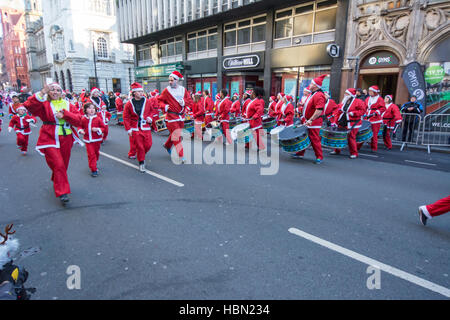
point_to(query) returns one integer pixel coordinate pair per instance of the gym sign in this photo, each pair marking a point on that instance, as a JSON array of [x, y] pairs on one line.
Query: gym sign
[[381, 59]]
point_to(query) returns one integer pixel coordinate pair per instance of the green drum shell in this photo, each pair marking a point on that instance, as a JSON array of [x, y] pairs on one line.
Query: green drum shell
[[337, 139]]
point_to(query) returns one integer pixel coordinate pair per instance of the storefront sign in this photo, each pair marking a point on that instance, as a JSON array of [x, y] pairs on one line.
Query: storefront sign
[[434, 74], [250, 61], [158, 70], [415, 81], [381, 59], [333, 50]]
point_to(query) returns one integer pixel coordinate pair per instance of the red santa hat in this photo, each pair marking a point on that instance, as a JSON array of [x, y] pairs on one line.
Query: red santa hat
[[176, 75], [248, 92], [236, 95], [217, 96], [136, 87], [198, 93], [374, 89], [117, 94], [389, 97], [289, 98], [55, 84], [308, 89], [319, 80], [83, 90], [21, 107], [351, 92], [273, 98], [94, 90], [23, 89], [282, 94]]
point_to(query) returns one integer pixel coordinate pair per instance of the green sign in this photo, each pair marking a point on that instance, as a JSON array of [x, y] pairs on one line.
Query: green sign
[[161, 70], [434, 74]]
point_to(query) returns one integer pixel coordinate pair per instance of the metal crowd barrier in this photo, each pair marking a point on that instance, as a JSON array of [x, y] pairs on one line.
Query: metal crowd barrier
[[436, 130], [408, 131]]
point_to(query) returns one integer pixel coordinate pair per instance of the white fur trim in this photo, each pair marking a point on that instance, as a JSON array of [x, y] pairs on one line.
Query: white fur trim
[[426, 212], [8, 250]]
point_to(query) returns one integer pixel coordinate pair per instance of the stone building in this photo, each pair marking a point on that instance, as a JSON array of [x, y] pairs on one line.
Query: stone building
[[384, 36]]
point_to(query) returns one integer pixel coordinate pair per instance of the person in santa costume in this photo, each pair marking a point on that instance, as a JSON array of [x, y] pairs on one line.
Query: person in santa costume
[[119, 109], [375, 108], [312, 117], [301, 102], [92, 128], [348, 116], [106, 117], [198, 113], [330, 107], [155, 105], [278, 107], [391, 119], [216, 103], [286, 112], [433, 210], [20, 123], [208, 105], [235, 105], [223, 114], [15, 103], [253, 113], [173, 100], [272, 106], [137, 118], [96, 99], [57, 134], [246, 101]]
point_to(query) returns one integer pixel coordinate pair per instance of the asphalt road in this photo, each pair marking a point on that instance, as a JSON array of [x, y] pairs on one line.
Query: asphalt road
[[226, 231]]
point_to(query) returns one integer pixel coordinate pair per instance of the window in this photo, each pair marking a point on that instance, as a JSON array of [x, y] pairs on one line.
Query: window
[[306, 23], [144, 54], [102, 48], [245, 36], [171, 49], [100, 6], [202, 44]]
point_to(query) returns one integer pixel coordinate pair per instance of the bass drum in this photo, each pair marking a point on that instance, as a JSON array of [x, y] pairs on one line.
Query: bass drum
[[365, 132], [294, 139], [334, 137]]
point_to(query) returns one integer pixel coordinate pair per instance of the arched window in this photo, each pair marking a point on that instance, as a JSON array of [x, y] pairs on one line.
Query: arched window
[[102, 48], [69, 80], [63, 81]]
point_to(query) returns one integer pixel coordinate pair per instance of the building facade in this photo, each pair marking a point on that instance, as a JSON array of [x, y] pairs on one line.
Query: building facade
[[385, 36], [83, 45], [235, 44], [14, 47]]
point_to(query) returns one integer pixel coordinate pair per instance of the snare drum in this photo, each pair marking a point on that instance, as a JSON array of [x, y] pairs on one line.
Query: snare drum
[[242, 133], [269, 123], [213, 130], [380, 133], [234, 122], [294, 139], [334, 137], [119, 117], [189, 125], [365, 132]]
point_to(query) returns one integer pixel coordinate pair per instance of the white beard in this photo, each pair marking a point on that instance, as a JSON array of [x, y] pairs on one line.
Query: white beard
[[8, 250], [346, 98]]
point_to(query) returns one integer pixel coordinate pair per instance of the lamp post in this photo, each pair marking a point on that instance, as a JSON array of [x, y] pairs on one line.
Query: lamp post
[[95, 64]]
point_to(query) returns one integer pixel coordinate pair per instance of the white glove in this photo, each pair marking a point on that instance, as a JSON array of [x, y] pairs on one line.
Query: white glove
[[130, 132], [149, 120], [167, 107], [351, 114], [9, 129]]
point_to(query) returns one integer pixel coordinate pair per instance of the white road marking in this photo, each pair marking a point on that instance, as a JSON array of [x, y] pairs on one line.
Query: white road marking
[[425, 163], [368, 155], [156, 175], [371, 262]]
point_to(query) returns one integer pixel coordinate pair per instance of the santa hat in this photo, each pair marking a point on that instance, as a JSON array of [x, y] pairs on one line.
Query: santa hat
[[21, 107], [389, 97], [176, 75], [308, 89], [94, 90], [117, 94], [273, 98], [351, 92], [23, 89], [198, 93], [282, 94], [83, 90], [374, 89], [248, 92], [136, 87], [236, 95], [289, 98], [319, 80], [217, 96], [55, 84]]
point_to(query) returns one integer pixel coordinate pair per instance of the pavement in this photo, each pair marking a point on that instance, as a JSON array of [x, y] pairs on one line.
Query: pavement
[[216, 231]]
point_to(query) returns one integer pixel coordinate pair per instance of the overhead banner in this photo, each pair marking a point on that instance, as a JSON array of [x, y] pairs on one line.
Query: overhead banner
[[415, 82]]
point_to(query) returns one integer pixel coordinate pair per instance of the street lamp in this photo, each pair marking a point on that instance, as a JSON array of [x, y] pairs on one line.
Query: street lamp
[[355, 80]]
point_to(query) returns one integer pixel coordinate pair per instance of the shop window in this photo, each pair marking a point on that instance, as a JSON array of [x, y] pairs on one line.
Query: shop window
[[245, 36], [202, 44], [171, 49]]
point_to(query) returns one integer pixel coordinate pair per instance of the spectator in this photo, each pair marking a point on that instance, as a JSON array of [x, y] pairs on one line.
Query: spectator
[[360, 94], [412, 109], [105, 99], [112, 101]]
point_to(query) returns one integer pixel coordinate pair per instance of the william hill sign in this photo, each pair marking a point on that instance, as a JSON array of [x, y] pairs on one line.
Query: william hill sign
[[242, 62]]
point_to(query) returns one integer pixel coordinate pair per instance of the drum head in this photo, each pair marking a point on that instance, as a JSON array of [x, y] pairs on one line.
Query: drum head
[[291, 133], [268, 119], [365, 125], [277, 130], [239, 128]]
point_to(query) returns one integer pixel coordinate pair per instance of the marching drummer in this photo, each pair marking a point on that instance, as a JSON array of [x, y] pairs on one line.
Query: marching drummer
[[348, 116], [236, 105], [208, 105], [254, 113], [246, 100], [286, 112], [198, 110], [272, 106], [330, 107], [301, 102], [223, 114], [375, 107], [280, 103], [391, 118]]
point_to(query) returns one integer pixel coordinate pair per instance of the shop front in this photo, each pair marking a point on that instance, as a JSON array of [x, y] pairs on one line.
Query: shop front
[[157, 76], [243, 72], [201, 75]]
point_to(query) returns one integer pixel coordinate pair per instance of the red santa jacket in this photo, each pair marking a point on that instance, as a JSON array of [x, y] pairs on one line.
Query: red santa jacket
[[278, 108], [315, 101], [22, 124], [198, 111], [354, 113], [131, 118], [245, 105], [375, 108], [236, 108], [286, 114], [87, 124], [174, 103], [272, 109], [223, 110], [391, 116], [254, 113], [330, 107], [208, 105], [119, 104], [49, 132], [12, 109], [105, 115]]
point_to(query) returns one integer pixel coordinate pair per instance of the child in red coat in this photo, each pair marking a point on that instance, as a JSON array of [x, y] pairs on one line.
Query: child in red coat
[[92, 128], [20, 122]]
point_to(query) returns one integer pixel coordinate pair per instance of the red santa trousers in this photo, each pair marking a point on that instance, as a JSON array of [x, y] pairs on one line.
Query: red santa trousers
[[105, 133], [352, 145], [132, 151], [316, 142], [58, 161], [387, 138], [175, 138], [226, 131], [93, 153], [22, 141], [438, 208], [374, 142], [143, 143]]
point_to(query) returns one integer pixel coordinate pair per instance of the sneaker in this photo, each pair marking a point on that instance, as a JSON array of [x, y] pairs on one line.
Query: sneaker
[[318, 161], [353, 156], [94, 174], [183, 160], [422, 217], [132, 157], [296, 156], [142, 167], [24, 153], [64, 199], [334, 153], [168, 150]]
